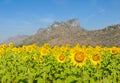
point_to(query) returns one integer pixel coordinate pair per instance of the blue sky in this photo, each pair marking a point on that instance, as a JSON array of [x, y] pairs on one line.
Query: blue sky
[[18, 17]]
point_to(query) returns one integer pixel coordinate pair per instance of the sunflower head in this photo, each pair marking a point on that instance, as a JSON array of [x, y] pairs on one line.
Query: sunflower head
[[41, 59], [43, 51], [1, 55], [25, 58], [46, 45], [3, 46], [29, 49], [10, 44], [114, 51], [95, 58], [15, 50], [20, 50], [78, 58], [35, 56], [61, 58]]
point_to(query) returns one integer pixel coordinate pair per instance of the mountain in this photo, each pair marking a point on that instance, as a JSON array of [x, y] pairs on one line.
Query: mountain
[[17, 40], [57, 34], [109, 36], [70, 32]]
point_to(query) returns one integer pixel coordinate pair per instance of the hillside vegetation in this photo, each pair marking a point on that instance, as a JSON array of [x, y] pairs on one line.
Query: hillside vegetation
[[70, 32]]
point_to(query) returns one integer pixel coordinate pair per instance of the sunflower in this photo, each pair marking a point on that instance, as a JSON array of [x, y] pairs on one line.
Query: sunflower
[[95, 58], [0, 55], [29, 49], [1, 52], [25, 58], [78, 58], [35, 56], [61, 58], [46, 45], [41, 59], [43, 51], [10, 44], [114, 51], [15, 50], [62, 48], [20, 50], [4, 46]]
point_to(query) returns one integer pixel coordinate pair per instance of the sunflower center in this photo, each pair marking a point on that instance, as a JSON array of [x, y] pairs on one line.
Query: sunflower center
[[96, 57], [79, 57], [61, 57], [44, 51], [114, 51]]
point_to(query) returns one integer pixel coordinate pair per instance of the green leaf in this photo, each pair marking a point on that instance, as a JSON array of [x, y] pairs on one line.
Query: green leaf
[[57, 75], [47, 69], [58, 81], [70, 79], [106, 80], [1, 72], [40, 80], [92, 80]]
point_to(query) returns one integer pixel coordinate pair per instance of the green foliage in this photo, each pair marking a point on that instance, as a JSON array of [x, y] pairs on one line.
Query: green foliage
[[16, 68]]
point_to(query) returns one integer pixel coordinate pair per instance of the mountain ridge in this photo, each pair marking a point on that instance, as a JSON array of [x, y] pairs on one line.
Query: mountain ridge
[[70, 32]]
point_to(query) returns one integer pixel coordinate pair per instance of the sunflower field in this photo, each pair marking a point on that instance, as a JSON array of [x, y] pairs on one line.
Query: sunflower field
[[59, 64]]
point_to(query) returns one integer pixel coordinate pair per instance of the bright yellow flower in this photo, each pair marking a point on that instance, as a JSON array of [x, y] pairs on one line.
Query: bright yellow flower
[[0, 56], [4, 46], [61, 58], [24, 47], [41, 59], [35, 56], [78, 58], [43, 51], [83, 47], [20, 50], [10, 44], [95, 58], [98, 48], [1, 52], [114, 51], [67, 47], [77, 47], [29, 49], [34, 46], [25, 58], [55, 48], [62, 48], [15, 50], [46, 45]]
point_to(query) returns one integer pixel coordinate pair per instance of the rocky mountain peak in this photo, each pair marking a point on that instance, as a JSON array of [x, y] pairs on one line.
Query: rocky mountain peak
[[56, 24], [73, 22], [72, 25], [70, 32]]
